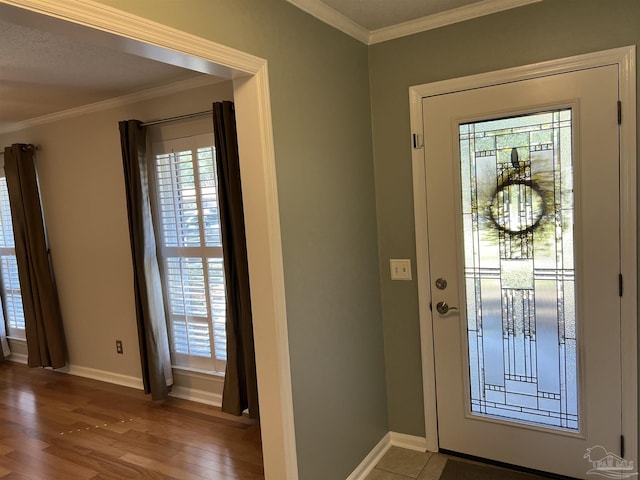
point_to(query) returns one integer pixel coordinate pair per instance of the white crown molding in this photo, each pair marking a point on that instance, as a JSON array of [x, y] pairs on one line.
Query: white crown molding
[[332, 17], [445, 18], [229, 62], [329, 15], [140, 96]]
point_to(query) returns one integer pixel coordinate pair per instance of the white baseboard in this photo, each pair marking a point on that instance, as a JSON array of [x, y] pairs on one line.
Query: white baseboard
[[410, 442], [103, 376], [372, 459], [391, 439], [199, 396], [18, 358], [93, 373]]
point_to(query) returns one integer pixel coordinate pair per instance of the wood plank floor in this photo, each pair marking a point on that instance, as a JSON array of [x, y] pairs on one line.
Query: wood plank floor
[[59, 426]]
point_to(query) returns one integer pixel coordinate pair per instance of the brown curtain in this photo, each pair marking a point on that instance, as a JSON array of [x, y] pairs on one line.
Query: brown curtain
[[240, 384], [46, 344], [150, 313], [5, 351]]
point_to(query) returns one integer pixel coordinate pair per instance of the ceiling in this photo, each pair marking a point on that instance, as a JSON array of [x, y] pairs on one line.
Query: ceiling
[[376, 14], [374, 21], [44, 72]]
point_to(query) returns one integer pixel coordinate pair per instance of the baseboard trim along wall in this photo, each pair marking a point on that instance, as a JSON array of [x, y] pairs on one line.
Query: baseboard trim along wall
[[213, 397], [410, 442], [103, 376], [391, 439], [86, 372], [199, 396], [17, 358]]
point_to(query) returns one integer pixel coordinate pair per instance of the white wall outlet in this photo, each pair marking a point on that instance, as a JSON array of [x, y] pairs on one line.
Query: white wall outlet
[[400, 268]]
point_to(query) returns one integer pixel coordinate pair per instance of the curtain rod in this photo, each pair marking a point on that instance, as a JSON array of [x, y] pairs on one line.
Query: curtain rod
[[180, 117], [36, 147]]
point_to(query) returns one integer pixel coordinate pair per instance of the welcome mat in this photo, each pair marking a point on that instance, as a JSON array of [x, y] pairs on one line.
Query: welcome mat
[[455, 470]]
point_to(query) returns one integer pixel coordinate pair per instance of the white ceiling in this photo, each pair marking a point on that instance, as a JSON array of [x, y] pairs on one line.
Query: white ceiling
[[374, 21], [43, 71], [376, 14]]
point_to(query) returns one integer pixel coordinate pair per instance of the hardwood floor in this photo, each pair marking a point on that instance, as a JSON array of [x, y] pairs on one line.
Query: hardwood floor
[[59, 426]]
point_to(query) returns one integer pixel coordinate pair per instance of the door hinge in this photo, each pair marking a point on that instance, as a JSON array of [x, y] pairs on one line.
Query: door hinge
[[620, 284], [619, 112], [417, 141], [622, 446]]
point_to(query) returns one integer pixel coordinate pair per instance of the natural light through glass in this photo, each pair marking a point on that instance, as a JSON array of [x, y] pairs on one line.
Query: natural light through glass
[[517, 206], [10, 281], [191, 246]]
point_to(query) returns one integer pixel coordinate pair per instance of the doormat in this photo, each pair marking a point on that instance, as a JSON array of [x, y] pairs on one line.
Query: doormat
[[455, 470]]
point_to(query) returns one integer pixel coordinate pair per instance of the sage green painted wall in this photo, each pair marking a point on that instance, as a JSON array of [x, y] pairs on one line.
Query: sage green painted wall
[[542, 31], [322, 132]]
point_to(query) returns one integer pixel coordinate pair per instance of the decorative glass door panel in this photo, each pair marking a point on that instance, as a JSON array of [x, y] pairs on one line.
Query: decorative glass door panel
[[517, 206], [522, 234]]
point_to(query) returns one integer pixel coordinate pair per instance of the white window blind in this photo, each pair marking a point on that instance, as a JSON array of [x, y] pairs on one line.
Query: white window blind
[[10, 291], [190, 247]]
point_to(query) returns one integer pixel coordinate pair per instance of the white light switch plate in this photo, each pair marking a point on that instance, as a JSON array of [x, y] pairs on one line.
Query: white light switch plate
[[400, 268]]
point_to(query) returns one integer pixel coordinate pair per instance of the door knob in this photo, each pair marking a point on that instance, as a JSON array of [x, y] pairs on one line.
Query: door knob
[[443, 307]]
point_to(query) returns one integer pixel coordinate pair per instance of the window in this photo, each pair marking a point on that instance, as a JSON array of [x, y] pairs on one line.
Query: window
[[10, 292], [190, 250]]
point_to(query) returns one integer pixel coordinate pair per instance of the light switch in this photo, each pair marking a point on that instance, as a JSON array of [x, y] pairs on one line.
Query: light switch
[[400, 268]]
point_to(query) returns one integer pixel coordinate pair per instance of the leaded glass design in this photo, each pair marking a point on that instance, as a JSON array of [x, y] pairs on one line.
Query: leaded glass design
[[517, 206]]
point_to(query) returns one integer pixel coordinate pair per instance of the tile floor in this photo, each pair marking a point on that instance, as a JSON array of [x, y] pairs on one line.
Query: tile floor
[[401, 464]]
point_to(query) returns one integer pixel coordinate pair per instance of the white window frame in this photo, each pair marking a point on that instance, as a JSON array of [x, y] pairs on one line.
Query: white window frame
[[215, 364], [12, 330]]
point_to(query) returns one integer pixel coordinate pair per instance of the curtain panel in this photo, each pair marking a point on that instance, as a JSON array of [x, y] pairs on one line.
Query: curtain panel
[[5, 351], [150, 312], [240, 383], [46, 345]]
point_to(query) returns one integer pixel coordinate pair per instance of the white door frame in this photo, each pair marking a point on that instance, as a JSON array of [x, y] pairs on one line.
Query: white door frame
[[624, 58], [86, 19]]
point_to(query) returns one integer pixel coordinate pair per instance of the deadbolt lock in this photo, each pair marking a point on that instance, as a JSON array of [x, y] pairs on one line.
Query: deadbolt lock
[[441, 284]]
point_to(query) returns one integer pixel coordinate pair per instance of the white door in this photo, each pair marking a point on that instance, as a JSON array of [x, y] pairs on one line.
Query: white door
[[523, 221]]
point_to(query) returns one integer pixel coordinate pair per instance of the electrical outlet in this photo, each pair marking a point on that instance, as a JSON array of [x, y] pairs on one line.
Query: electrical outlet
[[119, 347]]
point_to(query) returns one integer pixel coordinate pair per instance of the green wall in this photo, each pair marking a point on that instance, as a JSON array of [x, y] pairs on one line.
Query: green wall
[[327, 90], [322, 132], [542, 31]]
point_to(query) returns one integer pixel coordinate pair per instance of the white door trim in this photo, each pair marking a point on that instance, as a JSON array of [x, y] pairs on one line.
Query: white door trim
[[140, 36], [624, 58]]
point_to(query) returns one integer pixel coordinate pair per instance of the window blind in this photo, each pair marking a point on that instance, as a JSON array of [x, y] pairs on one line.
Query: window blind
[[191, 250], [11, 296]]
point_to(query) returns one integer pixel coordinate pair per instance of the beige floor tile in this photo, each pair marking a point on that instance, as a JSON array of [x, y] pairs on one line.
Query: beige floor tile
[[434, 467], [404, 462], [384, 475]]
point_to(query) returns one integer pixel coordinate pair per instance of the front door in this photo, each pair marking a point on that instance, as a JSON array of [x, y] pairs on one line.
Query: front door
[[522, 183]]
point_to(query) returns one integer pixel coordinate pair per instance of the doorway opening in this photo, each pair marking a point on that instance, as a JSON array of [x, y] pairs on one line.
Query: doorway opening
[[138, 36], [621, 66]]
